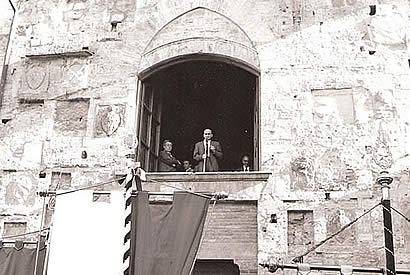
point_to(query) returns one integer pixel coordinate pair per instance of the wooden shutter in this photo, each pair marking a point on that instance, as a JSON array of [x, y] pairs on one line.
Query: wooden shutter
[[149, 127], [256, 127]]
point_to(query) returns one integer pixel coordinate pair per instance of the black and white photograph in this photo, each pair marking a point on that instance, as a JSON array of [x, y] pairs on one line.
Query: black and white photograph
[[205, 137]]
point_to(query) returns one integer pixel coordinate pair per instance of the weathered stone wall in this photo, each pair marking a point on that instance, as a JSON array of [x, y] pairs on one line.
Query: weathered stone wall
[[335, 90], [331, 104]]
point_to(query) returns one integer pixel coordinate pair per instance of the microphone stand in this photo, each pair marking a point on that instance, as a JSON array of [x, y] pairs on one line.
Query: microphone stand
[[204, 169], [207, 153]]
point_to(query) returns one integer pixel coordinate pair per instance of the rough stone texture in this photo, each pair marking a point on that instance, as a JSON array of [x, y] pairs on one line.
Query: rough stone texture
[[71, 118], [334, 90]]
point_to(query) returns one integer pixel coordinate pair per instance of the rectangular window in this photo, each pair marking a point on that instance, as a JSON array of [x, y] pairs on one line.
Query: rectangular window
[[14, 228]]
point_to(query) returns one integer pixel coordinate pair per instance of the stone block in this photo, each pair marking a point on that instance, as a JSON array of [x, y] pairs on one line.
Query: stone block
[[71, 117]]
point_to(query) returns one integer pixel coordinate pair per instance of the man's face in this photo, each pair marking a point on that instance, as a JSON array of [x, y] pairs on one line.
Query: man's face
[[186, 164], [168, 146], [208, 134], [245, 161]]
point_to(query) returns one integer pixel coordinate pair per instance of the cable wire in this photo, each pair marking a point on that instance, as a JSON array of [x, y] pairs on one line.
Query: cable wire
[[182, 189], [91, 186], [401, 214], [86, 187], [300, 258], [25, 234]]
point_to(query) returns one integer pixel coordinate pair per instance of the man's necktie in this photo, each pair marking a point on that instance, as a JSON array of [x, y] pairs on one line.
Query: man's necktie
[[207, 148]]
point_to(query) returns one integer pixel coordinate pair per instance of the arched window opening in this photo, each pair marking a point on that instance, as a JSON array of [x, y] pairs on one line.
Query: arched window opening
[[180, 100]]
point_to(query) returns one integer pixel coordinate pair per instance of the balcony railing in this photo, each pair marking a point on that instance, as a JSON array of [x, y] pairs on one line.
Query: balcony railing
[[239, 185]]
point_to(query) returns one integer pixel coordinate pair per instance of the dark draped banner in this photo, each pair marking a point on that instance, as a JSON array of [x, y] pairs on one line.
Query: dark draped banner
[[165, 237], [20, 261]]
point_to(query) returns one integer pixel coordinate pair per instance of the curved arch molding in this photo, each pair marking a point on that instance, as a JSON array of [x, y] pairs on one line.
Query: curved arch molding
[[199, 31]]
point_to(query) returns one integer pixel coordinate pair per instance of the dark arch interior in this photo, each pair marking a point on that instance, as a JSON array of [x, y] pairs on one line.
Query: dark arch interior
[[207, 94], [215, 267]]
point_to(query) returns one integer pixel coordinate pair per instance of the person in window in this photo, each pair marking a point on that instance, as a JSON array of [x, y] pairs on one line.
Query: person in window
[[187, 166], [207, 152], [245, 164], [167, 162]]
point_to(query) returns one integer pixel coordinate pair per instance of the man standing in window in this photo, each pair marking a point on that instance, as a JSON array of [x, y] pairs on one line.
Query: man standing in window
[[207, 153], [245, 164], [167, 162]]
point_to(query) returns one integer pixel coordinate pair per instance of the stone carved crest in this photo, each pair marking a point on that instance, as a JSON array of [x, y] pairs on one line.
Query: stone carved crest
[[19, 190], [301, 173], [382, 155], [110, 121], [36, 75], [109, 118], [77, 74]]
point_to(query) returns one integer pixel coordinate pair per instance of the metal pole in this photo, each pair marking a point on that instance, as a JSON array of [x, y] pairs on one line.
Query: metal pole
[[207, 154], [208, 195], [13, 242], [43, 214], [385, 180], [204, 164], [6, 57], [274, 267]]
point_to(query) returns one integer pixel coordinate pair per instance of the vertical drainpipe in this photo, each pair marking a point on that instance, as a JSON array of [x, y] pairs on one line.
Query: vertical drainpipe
[[6, 59]]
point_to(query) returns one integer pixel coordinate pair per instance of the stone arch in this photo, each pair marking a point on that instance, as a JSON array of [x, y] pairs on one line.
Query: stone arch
[[199, 32]]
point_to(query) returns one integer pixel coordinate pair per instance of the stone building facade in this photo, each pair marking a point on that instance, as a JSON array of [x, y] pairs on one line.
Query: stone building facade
[[328, 110]]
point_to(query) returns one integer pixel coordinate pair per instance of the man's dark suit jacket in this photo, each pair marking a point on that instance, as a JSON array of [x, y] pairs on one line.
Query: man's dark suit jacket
[[167, 162], [211, 161]]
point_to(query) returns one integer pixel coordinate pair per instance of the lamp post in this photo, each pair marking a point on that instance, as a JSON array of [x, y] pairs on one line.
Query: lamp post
[[385, 180]]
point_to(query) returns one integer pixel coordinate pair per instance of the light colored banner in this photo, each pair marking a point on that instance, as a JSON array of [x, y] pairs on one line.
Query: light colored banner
[[87, 234]]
